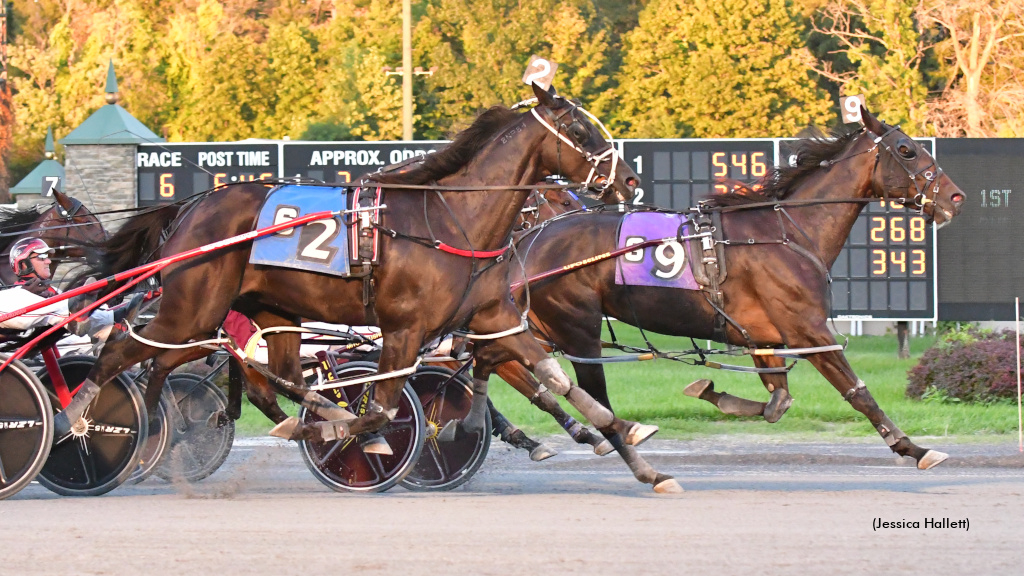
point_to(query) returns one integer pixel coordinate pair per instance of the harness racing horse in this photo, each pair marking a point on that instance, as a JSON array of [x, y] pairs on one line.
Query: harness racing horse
[[65, 226], [782, 240], [421, 290]]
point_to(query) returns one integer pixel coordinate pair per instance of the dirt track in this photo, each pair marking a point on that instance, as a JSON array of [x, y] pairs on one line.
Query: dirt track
[[748, 508]]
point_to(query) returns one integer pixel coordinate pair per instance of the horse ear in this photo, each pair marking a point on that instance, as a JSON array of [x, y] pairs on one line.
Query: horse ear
[[64, 200], [545, 97], [871, 123]]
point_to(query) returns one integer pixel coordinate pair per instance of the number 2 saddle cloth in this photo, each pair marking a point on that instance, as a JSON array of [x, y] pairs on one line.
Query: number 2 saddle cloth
[[665, 265], [331, 246]]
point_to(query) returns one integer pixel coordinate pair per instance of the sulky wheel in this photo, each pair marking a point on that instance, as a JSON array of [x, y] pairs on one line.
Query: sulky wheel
[[157, 444], [26, 427], [445, 465], [341, 464], [102, 449], [198, 447]]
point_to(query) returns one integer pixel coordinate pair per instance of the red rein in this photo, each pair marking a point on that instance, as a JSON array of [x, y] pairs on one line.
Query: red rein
[[471, 253]]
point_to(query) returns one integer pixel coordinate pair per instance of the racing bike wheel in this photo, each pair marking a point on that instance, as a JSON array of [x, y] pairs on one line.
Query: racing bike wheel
[[102, 449], [445, 465], [158, 442], [26, 427], [341, 464], [197, 449]]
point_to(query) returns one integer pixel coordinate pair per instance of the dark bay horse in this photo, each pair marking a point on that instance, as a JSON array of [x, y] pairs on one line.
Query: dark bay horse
[[777, 292], [421, 292], [66, 226]]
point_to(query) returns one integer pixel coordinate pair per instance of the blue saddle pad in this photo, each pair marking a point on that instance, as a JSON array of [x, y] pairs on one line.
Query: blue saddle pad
[[319, 246]]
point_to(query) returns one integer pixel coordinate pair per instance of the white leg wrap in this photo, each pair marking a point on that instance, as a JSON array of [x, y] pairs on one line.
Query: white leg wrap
[[332, 430], [551, 375], [325, 408], [477, 417]]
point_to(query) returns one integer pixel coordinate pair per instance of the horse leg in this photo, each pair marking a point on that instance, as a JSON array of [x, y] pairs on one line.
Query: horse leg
[[776, 383], [834, 367], [399, 352], [727, 403], [523, 348], [258, 390], [285, 370], [520, 378], [591, 377], [509, 434], [118, 355]]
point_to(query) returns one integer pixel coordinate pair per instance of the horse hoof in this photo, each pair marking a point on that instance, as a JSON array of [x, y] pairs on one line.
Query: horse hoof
[[698, 387], [376, 445], [931, 459], [639, 433], [218, 419], [448, 433], [669, 486], [777, 406], [604, 448], [542, 452], [287, 429]]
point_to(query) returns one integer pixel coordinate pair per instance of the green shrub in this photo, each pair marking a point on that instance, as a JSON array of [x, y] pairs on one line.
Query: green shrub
[[970, 365]]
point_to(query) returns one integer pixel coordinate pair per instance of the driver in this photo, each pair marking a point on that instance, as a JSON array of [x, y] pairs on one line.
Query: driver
[[30, 260]]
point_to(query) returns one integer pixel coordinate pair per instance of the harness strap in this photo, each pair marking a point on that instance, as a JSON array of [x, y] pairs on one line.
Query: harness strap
[[593, 260], [366, 379], [479, 254]]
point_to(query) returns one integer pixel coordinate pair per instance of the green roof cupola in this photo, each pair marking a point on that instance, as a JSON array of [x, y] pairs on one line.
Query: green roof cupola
[[111, 124]]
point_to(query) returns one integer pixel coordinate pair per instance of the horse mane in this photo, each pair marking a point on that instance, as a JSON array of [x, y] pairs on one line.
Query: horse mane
[[14, 221], [132, 245], [455, 155], [780, 181]]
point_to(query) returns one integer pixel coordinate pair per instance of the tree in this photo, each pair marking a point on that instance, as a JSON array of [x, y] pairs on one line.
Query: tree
[[481, 49], [984, 46], [885, 50], [355, 98], [733, 68], [215, 73]]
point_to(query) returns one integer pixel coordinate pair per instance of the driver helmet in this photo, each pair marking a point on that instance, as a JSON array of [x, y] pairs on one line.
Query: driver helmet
[[24, 249]]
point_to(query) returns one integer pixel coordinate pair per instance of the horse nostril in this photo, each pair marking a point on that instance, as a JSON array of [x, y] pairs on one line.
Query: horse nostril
[[632, 182], [957, 198]]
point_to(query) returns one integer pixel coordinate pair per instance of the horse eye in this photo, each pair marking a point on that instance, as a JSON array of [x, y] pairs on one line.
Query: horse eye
[[578, 132], [906, 151], [566, 203]]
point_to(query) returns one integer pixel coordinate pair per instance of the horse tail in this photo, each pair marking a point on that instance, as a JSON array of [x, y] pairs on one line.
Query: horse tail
[[134, 244]]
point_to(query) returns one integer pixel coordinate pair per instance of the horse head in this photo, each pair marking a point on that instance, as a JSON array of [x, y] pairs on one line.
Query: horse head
[[70, 228], [910, 175], [546, 203], [596, 163]]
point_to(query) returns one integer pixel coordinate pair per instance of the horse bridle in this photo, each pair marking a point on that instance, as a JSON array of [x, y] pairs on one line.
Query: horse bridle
[[557, 126], [930, 173], [68, 216]]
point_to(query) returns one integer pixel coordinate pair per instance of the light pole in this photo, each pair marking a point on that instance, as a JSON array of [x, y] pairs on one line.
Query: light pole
[[6, 110], [406, 67]]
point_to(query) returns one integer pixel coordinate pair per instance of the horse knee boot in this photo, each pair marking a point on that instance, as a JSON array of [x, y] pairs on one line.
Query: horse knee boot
[[552, 376]]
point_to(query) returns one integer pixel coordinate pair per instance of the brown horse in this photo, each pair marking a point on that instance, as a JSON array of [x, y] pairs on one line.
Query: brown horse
[[66, 226], [421, 292], [776, 292]]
